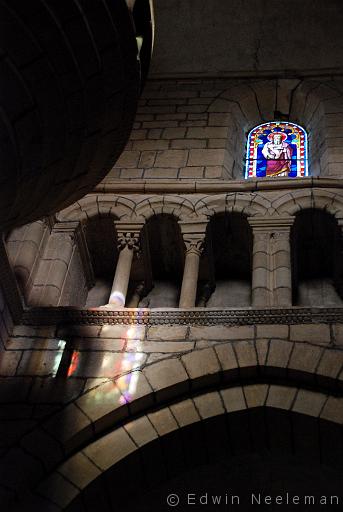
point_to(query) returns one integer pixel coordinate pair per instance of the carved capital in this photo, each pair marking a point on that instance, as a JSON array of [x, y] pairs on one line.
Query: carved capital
[[128, 236], [271, 224], [129, 240], [68, 228], [193, 233], [195, 245], [271, 228]]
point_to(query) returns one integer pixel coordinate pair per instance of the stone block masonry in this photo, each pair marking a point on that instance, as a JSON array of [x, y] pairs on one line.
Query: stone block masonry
[[57, 395], [176, 136], [196, 129]]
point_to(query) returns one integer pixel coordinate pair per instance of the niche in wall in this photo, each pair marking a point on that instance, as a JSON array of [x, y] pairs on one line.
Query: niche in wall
[[102, 246], [228, 261], [317, 268], [164, 249]]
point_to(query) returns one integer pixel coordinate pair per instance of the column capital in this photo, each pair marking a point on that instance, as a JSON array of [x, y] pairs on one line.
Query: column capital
[[128, 235], [267, 224], [194, 233], [70, 228], [195, 245], [193, 226]]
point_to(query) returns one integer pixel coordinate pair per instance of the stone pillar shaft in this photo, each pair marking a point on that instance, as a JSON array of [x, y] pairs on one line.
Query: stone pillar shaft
[[53, 269], [261, 287], [121, 278], [136, 295], [190, 278], [24, 253], [271, 274], [282, 268], [128, 245], [194, 237]]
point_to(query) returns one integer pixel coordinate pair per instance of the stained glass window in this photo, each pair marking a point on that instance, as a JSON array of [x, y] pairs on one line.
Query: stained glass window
[[276, 149]]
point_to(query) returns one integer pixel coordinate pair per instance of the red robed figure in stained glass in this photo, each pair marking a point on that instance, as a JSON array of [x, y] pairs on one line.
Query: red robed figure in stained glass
[[278, 155], [277, 149]]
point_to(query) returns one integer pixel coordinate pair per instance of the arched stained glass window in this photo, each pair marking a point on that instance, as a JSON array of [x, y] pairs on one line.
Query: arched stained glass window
[[276, 149]]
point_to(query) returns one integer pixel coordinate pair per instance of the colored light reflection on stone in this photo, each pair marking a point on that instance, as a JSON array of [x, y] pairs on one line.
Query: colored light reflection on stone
[[117, 298], [75, 358], [131, 361], [61, 346]]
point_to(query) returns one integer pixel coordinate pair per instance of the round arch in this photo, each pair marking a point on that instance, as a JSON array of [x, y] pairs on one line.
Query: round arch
[[297, 200], [315, 367], [245, 203], [96, 205], [180, 207], [295, 412]]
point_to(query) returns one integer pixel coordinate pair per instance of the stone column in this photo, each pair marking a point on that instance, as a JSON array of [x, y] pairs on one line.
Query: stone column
[[53, 268], [128, 245], [24, 247], [261, 292], [137, 295], [194, 238], [271, 265]]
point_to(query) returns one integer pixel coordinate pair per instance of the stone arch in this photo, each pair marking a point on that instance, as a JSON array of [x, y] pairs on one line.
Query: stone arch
[[249, 204], [237, 110], [316, 272], [226, 268], [98, 205], [311, 95], [316, 366], [179, 207], [71, 477], [292, 202], [317, 105], [249, 103], [163, 253], [246, 105]]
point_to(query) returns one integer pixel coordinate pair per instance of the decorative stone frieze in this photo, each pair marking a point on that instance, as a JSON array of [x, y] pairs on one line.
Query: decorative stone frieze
[[191, 316]]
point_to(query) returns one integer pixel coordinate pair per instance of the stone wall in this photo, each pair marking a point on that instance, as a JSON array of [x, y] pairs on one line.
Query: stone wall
[[71, 378], [56, 399], [197, 129], [60, 273]]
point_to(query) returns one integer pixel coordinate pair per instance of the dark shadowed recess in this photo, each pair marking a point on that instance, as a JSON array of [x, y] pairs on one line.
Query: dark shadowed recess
[[262, 450]]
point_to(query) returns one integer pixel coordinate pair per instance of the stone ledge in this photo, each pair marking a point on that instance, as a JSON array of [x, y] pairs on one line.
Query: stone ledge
[[63, 316], [109, 185]]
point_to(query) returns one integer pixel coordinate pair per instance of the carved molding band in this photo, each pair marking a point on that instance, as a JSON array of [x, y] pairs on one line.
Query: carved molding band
[[197, 316]]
